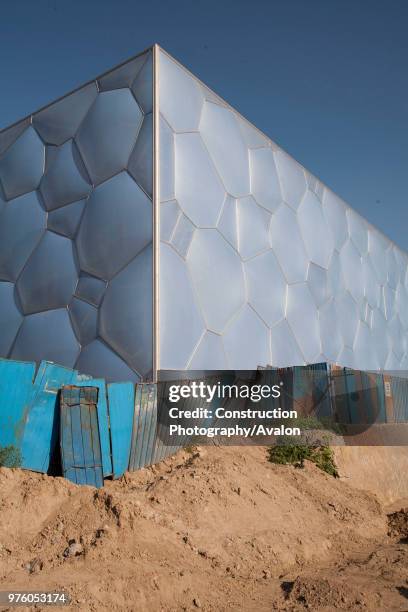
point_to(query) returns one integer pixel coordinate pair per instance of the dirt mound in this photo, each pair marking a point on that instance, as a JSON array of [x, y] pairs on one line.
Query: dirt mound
[[398, 523], [216, 528]]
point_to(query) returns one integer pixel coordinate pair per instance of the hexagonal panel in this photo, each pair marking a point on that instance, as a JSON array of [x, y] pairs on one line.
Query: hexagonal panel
[[181, 324], [22, 223], [199, 190], [352, 269], [84, 319], [246, 341], [335, 276], [181, 99], [266, 287], [66, 179], [285, 349], [347, 317], [126, 313], [381, 341], [66, 220], [221, 134], [167, 170], [90, 289], [143, 85], [99, 361], [47, 335], [265, 186], [301, 313], [402, 305], [209, 354], [371, 286], [10, 135], [334, 210], [61, 120], [396, 336], [346, 358], [312, 225], [377, 245], [364, 352], [253, 137], [253, 228], [287, 244], [169, 215], [10, 318], [118, 212], [49, 278], [393, 270], [222, 294], [228, 222], [183, 235], [357, 227], [318, 285], [388, 302], [22, 165], [108, 133], [329, 331], [292, 179], [122, 76], [140, 164]]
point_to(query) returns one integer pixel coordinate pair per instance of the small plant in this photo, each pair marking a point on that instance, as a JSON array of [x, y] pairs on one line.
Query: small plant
[[295, 454], [10, 457]]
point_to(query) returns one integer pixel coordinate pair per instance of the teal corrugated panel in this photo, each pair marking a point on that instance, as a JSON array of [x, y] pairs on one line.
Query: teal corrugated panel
[[79, 436], [103, 420], [40, 434], [121, 398], [144, 426], [16, 386]]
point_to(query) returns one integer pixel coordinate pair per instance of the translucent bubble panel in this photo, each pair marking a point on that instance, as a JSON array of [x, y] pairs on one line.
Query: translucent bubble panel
[[220, 288], [108, 133], [199, 190], [49, 277], [22, 165], [65, 180], [76, 182], [181, 323], [61, 120], [222, 136], [10, 317], [267, 250], [22, 223], [181, 99], [47, 335], [118, 213], [126, 313]]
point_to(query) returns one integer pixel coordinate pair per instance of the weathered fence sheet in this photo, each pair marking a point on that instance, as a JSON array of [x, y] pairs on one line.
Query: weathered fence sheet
[[79, 436], [144, 426], [121, 398], [16, 385]]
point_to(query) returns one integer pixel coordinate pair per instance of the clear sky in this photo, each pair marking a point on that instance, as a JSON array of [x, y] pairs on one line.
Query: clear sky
[[325, 79]]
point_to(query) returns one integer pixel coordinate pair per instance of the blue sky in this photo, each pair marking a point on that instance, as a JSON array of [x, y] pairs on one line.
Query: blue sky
[[326, 79]]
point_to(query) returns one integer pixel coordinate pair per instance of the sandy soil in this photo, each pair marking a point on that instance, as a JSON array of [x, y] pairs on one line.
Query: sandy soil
[[213, 529]]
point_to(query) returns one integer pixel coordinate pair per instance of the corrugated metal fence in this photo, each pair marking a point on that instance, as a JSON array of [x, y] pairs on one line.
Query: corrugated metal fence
[[123, 431]]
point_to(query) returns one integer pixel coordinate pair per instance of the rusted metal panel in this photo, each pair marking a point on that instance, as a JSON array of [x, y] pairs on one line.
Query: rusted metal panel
[[121, 398], [79, 435], [16, 385]]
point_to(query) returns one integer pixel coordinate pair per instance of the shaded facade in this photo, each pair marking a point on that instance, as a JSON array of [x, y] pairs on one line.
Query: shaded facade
[[144, 225]]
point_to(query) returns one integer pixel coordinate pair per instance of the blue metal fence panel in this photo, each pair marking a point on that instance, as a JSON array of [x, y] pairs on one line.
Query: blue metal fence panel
[[79, 436], [399, 391], [40, 434], [16, 384], [103, 420], [121, 397], [144, 426]]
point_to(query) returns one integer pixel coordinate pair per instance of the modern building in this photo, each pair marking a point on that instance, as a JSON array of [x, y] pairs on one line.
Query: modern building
[[146, 225]]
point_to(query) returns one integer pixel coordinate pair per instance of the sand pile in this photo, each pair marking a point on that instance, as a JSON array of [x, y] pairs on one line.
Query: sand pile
[[212, 529]]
